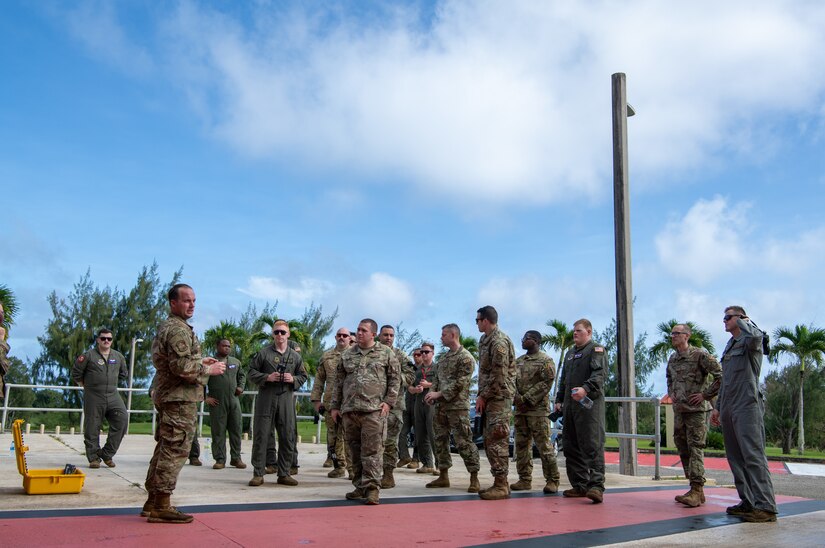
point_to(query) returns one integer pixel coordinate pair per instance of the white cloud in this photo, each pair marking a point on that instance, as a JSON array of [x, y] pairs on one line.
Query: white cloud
[[299, 294], [382, 296], [97, 26], [798, 256], [705, 243], [490, 100]]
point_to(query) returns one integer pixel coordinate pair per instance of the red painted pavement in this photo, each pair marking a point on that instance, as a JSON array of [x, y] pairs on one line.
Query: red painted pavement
[[711, 463], [447, 524]]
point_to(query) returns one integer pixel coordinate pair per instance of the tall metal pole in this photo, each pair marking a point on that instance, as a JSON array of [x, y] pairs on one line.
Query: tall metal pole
[[135, 340], [624, 285]]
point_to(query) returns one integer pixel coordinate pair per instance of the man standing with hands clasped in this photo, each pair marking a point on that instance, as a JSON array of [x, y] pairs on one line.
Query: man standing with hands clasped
[[181, 375], [278, 370], [225, 409], [367, 384]]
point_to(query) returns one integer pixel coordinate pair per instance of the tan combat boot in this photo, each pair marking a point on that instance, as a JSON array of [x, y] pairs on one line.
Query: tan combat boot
[[337, 473], [442, 481], [388, 481], [499, 490], [328, 463], [474, 487], [372, 497], [522, 485], [693, 498], [551, 487], [164, 512], [148, 506]]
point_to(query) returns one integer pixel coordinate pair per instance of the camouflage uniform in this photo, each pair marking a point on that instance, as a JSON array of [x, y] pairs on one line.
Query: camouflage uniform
[[452, 411], [497, 385], [395, 420], [5, 364], [692, 372], [99, 376], [583, 432], [322, 391], [226, 416], [365, 379], [275, 405], [178, 388], [534, 378]]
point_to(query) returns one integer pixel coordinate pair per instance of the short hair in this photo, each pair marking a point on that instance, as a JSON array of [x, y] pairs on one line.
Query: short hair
[[685, 327], [387, 326], [584, 322], [173, 292], [533, 334], [417, 350], [370, 322], [280, 322], [227, 339], [453, 328], [104, 330], [488, 313], [736, 309], [428, 344]]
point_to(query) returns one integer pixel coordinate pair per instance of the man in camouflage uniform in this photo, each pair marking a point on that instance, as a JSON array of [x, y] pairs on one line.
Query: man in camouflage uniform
[[225, 408], [693, 380], [321, 398], [5, 364], [366, 390], [404, 459], [585, 369], [535, 372], [181, 375], [98, 371], [396, 417], [278, 370], [451, 395], [496, 387]]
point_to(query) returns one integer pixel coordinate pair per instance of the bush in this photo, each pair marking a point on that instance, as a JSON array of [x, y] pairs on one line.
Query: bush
[[715, 440]]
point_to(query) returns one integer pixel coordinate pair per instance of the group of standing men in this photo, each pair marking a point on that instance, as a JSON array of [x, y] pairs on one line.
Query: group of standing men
[[361, 389]]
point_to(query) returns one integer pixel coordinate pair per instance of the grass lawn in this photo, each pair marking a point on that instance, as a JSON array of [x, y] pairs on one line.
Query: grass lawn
[[306, 429], [771, 451]]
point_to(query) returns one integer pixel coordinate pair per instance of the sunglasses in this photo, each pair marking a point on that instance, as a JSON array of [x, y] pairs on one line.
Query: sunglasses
[[417, 355], [726, 317], [105, 338], [279, 332], [677, 333], [426, 351], [341, 336], [478, 320]]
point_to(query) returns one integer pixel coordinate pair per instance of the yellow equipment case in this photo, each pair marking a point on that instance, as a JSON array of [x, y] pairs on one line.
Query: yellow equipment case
[[43, 482]]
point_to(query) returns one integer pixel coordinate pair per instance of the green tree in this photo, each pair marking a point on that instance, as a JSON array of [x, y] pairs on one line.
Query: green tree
[[88, 308], [407, 340], [699, 338], [561, 340], [9, 302], [807, 345], [644, 366], [18, 397]]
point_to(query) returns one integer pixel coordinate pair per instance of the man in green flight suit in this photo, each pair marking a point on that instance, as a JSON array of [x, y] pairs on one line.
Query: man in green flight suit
[[98, 371], [225, 409], [585, 369]]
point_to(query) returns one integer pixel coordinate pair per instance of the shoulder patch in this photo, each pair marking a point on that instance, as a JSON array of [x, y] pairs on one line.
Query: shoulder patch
[[181, 346], [599, 349], [81, 358]]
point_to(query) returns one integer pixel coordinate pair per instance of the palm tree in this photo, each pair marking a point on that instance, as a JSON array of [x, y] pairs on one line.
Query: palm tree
[[9, 302], [699, 338], [807, 344], [237, 336], [562, 340]]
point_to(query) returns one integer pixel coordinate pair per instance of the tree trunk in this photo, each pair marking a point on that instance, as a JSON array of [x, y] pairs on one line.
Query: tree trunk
[[801, 436]]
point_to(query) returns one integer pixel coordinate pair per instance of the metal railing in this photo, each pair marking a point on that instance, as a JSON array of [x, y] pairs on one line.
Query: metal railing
[[656, 437], [201, 413]]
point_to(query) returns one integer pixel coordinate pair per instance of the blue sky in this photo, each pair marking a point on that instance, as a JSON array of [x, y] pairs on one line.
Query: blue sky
[[414, 161]]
